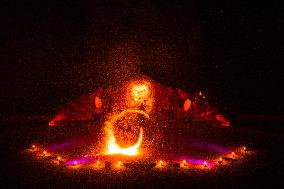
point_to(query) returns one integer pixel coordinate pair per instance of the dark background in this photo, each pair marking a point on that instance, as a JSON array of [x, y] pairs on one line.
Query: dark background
[[54, 51]]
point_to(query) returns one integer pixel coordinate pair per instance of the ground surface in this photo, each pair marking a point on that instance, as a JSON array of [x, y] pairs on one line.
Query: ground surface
[[264, 168]]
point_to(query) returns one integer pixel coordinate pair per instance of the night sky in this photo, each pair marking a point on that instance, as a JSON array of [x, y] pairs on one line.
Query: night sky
[[51, 52]]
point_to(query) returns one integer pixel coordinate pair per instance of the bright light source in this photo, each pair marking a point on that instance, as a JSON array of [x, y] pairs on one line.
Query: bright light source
[[205, 164], [220, 161], [184, 161], [98, 162], [245, 148], [33, 146], [44, 151], [140, 92], [75, 163], [112, 146], [162, 163], [58, 158]]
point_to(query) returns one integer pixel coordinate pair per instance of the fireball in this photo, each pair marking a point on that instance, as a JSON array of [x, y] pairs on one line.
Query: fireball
[[140, 92], [112, 146]]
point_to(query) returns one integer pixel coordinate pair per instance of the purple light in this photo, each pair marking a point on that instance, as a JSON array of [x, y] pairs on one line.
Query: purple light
[[75, 143], [199, 162], [82, 160], [55, 147], [202, 144], [208, 146], [188, 159]]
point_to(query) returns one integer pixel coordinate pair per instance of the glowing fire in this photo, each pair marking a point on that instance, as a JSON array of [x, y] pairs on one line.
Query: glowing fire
[[140, 92], [112, 146]]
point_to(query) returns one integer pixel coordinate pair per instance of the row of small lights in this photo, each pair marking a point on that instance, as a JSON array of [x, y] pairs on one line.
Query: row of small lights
[[220, 161], [60, 159]]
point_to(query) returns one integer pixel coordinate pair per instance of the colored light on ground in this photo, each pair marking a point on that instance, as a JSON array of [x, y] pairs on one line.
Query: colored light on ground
[[82, 160]]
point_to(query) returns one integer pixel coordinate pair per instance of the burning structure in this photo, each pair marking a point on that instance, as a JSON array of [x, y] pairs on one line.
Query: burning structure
[[127, 107], [142, 94]]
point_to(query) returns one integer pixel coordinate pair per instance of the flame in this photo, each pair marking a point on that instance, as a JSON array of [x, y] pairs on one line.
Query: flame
[[112, 146], [140, 95], [140, 92]]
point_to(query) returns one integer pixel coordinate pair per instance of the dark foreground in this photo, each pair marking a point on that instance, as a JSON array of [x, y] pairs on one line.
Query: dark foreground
[[265, 168]]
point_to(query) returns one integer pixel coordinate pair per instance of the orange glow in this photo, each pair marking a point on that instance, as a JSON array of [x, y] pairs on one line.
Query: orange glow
[[186, 105], [58, 158], [140, 95], [162, 163], [44, 152], [220, 162], [98, 102], [112, 146], [140, 92]]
